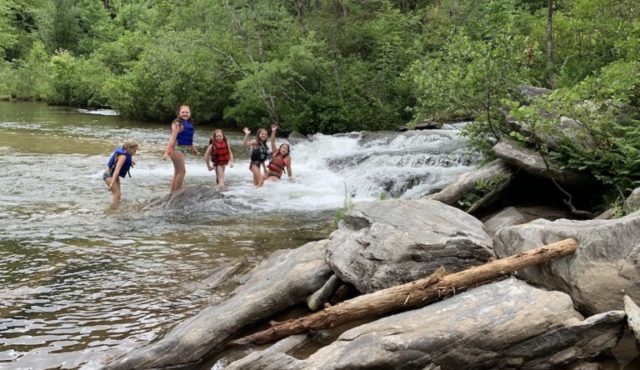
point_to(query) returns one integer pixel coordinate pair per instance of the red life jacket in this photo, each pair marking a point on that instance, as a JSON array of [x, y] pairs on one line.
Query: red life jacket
[[220, 153], [277, 165]]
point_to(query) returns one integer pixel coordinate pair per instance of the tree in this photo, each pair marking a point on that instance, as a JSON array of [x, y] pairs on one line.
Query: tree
[[550, 79]]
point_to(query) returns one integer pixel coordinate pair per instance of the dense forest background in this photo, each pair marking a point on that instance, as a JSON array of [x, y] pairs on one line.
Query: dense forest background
[[340, 65]]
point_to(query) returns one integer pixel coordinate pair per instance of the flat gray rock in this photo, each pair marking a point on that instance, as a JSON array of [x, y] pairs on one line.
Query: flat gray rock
[[504, 325], [386, 243], [605, 267]]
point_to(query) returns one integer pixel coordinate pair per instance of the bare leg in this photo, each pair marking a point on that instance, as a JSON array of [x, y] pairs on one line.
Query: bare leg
[[220, 176], [115, 192], [257, 176], [179, 170]]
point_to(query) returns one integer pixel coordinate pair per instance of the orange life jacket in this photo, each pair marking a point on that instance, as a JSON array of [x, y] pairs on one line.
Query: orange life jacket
[[277, 165]]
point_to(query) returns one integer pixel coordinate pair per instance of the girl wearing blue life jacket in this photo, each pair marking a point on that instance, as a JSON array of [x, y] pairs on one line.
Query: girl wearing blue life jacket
[[180, 143], [118, 166]]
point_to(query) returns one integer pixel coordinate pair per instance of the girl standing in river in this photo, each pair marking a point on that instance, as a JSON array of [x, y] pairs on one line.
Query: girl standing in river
[[259, 154], [220, 154], [180, 143], [281, 160], [118, 166]]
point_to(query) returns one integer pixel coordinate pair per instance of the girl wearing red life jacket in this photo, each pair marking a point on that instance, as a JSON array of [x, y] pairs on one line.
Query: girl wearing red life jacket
[[220, 154], [281, 160]]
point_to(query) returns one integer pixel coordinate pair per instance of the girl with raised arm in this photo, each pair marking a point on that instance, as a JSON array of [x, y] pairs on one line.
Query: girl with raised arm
[[281, 160], [259, 154]]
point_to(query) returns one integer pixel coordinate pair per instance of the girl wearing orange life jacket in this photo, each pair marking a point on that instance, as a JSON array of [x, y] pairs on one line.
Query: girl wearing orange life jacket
[[281, 160], [220, 154]]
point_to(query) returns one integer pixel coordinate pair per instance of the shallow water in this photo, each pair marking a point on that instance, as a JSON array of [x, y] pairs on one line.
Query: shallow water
[[80, 282]]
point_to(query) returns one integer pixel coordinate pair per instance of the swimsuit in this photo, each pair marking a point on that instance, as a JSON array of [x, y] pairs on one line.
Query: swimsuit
[[183, 149], [259, 154]]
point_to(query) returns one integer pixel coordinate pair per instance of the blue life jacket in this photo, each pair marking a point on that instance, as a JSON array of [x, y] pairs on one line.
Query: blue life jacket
[[185, 137], [113, 159]]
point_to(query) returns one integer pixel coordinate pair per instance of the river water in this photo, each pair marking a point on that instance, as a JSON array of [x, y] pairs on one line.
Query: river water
[[80, 282]]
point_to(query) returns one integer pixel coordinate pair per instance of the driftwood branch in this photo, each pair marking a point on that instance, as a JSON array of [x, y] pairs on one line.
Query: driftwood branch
[[411, 295]]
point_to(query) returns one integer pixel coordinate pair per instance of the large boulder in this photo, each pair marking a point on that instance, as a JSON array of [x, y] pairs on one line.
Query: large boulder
[[285, 278], [504, 325], [510, 216], [605, 267], [385, 243]]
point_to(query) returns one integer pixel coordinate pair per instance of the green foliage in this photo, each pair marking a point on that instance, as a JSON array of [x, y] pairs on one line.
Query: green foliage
[[329, 66], [8, 38], [469, 79], [30, 77], [607, 106], [606, 141], [168, 74], [482, 187], [76, 81]]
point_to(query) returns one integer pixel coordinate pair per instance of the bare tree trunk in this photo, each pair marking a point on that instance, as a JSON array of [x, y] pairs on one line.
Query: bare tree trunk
[[411, 295], [550, 77]]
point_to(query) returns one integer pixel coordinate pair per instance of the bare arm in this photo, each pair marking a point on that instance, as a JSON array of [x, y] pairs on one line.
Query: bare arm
[[245, 140], [289, 168], [274, 148], [230, 156], [116, 171], [207, 156], [175, 129]]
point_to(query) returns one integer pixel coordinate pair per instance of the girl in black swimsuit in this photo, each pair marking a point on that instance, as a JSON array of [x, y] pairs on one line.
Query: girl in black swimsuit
[[259, 154]]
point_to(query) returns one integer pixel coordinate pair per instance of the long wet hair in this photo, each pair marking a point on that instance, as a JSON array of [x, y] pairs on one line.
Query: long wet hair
[[177, 119], [288, 149], [261, 142], [213, 136]]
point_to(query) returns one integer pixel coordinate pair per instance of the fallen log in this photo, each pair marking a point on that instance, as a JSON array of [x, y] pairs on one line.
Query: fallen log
[[411, 295]]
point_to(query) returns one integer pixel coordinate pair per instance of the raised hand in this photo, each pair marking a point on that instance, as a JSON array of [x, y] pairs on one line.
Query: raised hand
[[246, 131]]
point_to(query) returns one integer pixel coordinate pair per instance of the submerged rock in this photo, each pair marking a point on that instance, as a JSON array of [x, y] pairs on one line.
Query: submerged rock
[[285, 278], [385, 243], [185, 198]]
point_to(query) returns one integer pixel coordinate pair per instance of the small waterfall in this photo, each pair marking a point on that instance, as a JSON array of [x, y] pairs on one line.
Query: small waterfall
[[329, 168], [397, 164]]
